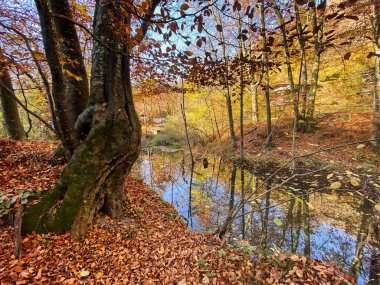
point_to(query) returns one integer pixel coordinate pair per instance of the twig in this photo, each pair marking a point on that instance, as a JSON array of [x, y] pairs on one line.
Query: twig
[[29, 111]]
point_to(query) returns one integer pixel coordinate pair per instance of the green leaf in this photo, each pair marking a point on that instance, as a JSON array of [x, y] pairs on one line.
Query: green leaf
[[277, 221], [335, 185]]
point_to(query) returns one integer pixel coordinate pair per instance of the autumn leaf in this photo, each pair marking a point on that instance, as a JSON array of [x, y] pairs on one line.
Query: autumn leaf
[[69, 73], [184, 6], [84, 273]]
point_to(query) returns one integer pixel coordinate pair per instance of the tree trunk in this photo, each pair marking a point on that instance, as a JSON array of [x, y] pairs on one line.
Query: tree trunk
[[318, 35], [281, 22], [269, 143], [255, 103], [49, 38], [301, 39], [376, 101], [227, 84], [362, 236], [75, 75], [94, 178], [11, 116]]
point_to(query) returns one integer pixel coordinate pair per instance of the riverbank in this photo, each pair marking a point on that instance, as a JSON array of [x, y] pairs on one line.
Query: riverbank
[[340, 141], [149, 245]]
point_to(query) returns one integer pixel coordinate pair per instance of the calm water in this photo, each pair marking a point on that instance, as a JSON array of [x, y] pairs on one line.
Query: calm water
[[300, 216]]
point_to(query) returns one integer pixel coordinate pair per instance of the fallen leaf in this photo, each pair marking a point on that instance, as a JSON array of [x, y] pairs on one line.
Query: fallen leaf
[[84, 273], [335, 185]]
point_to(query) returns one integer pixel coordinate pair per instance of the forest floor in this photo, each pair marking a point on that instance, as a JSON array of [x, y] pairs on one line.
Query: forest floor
[[344, 136], [149, 245]]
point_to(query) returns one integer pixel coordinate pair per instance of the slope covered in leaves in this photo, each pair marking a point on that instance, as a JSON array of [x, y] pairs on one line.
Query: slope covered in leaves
[[149, 245]]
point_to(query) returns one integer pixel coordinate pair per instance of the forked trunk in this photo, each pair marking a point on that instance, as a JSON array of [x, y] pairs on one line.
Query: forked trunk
[[94, 178]]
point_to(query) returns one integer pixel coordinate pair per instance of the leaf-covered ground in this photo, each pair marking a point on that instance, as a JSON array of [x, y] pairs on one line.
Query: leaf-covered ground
[[149, 245], [334, 130]]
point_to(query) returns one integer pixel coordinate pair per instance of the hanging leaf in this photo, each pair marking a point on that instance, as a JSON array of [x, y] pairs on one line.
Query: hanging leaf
[[184, 7], [277, 221], [377, 207], [76, 77]]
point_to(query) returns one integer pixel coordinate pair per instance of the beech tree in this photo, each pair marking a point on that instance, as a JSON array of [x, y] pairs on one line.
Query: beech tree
[[94, 177]]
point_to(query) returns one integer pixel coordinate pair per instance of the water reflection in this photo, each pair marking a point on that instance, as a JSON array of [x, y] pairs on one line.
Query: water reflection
[[238, 204]]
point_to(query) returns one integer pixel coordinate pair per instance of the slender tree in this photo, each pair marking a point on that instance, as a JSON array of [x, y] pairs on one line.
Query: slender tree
[[11, 115], [376, 100], [318, 23], [269, 143]]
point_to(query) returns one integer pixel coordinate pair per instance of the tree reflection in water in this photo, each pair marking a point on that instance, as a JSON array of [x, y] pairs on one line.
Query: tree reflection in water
[[293, 218]]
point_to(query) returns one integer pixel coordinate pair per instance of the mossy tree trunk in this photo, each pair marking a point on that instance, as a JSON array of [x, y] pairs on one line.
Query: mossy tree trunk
[[94, 178], [10, 112]]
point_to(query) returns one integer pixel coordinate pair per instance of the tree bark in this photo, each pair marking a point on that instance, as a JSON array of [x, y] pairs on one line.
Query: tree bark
[[269, 142], [227, 84], [318, 35], [254, 102], [11, 115], [301, 40], [75, 75], [49, 38], [94, 178], [281, 22], [375, 135]]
